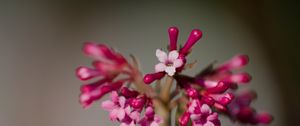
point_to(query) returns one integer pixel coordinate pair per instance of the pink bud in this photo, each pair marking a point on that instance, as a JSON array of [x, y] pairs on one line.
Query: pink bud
[[184, 119], [264, 118], [236, 62], [137, 103], [86, 98], [149, 78], [222, 99], [173, 35], [220, 107], [208, 100], [85, 73], [106, 68], [238, 78], [246, 114], [102, 52], [191, 92], [90, 87], [128, 93], [195, 35], [92, 49], [219, 88]]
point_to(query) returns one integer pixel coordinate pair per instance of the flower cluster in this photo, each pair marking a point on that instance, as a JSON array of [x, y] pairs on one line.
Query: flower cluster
[[127, 107], [108, 64], [198, 99], [176, 59]]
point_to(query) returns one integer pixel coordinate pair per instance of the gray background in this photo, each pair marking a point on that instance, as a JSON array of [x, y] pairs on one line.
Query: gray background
[[41, 47]]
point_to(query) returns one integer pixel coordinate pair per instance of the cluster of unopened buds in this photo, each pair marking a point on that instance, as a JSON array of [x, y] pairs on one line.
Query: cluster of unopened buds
[[149, 100]]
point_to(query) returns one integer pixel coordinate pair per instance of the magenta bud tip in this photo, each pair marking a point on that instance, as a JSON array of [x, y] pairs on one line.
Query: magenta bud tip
[[148, 79], [264, 118], [195, 35], [173, 30], [173, 35]]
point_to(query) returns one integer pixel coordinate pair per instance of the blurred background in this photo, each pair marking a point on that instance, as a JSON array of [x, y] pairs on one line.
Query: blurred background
[[41, 47]]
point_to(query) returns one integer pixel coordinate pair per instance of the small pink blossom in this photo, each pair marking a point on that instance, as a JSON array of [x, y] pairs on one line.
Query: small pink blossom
[[120, 110], [150, 118], [168, 63], [202, 115]]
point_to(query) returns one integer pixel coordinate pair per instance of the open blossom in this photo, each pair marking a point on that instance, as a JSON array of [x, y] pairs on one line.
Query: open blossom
[[168, 63], [176, 59], [116, 106], [150, 119], [128, 111], [202, 115]]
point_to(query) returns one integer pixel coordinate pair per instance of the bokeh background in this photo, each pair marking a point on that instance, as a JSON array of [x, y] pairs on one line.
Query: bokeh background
[[41, 47]]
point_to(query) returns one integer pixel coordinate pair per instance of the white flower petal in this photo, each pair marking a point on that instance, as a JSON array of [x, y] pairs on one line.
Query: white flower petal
[[161, 55], [160, 67], [212, 117], [113, 114], [205, 109], [170, 70], [177, 63], [121, 114], [122, 101], [173, 55], [208, 123]]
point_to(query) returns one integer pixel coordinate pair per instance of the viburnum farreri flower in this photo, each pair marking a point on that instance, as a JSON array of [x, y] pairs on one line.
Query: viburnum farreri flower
[[198, 99], [168, 63]]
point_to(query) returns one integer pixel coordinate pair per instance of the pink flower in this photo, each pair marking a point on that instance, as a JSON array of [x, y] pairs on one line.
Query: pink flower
[[168, 63], [116, 106], [202, 115], [150, 119], [120, 110]]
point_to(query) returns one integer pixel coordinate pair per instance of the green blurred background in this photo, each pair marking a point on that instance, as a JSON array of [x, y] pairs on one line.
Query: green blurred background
[[41, 47]]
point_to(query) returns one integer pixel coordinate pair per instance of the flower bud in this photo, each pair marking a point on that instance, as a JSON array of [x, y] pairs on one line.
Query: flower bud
[[173, 35], [195, 35]]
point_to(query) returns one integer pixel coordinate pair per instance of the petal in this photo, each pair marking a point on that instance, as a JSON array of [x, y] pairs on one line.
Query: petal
[[121, 114], [158, 119], [170, 70], [128, 110], [205, 109], [135, 115], [154, 124], [113, 114], [212, 117], [122, 101], [108, 105], [132, 123], [173, 55], [208, 123], [195, 116], [114, 96], [177, 63], [160, 67], [161, 55]]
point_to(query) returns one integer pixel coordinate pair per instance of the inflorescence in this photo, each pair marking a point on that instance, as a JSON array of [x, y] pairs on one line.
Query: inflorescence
[[198, 100]]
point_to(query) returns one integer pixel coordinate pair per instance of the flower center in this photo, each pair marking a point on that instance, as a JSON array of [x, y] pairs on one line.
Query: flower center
[[169, 63]]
